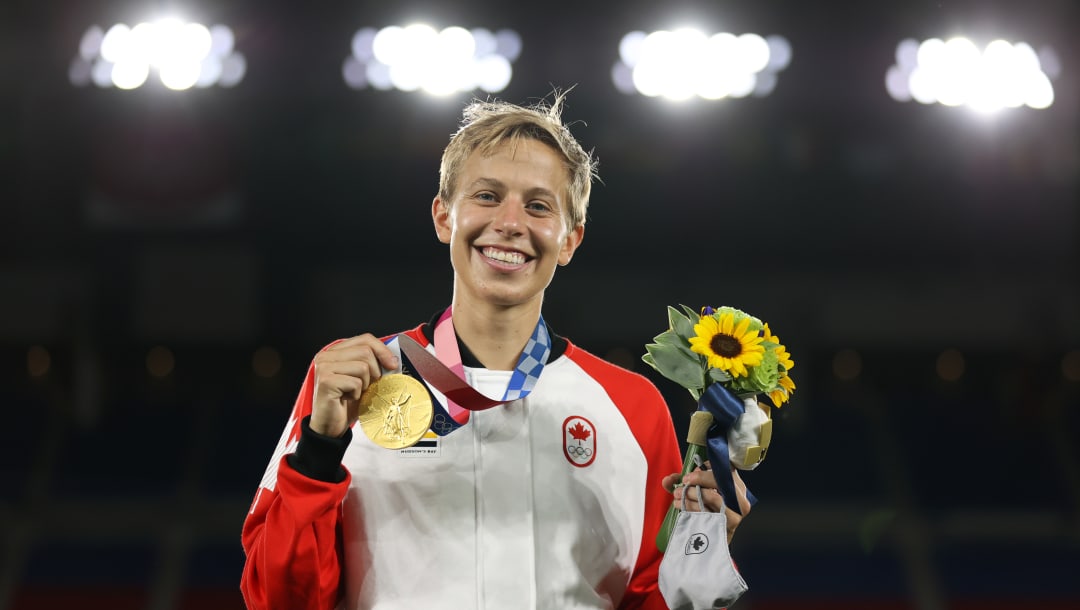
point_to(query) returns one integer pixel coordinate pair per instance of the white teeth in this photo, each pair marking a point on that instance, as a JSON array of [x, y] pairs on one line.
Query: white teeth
[[514, 258]]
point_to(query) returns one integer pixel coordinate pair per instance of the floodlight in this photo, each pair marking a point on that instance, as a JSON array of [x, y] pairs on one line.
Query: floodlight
[[957, 72], [182, 55], [686, 63], [418, 57]]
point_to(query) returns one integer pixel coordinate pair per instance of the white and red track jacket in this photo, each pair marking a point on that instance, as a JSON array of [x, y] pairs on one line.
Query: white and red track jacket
[[550, 501]]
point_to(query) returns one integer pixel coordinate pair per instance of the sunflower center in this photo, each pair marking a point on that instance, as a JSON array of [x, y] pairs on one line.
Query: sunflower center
[[725, 345]]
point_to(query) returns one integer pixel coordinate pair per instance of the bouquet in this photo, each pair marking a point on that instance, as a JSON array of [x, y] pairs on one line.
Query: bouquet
[[726, 359], [726, 346]]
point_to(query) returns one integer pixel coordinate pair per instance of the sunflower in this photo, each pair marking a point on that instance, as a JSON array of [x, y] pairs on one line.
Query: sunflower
[[782, 355], [781, 395], [728, 345]]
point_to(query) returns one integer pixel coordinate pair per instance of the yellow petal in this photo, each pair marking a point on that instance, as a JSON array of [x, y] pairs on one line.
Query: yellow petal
[[768, 334], [718, 362], [740, 330], [727, 321], [737, 368]]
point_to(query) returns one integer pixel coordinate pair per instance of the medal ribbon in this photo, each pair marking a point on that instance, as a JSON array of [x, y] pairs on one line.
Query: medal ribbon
[[725, 408], [445, 372]]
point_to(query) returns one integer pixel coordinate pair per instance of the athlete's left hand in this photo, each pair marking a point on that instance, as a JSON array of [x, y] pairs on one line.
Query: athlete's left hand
[[710, 497]]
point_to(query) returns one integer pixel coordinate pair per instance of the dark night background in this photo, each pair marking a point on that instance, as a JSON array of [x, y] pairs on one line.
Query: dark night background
[[920, 262]]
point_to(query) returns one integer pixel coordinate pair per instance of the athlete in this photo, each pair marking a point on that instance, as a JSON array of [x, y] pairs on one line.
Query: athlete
[[544, 488]]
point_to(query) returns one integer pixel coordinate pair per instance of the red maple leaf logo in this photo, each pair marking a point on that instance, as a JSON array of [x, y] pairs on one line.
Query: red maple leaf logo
[[579, 432]]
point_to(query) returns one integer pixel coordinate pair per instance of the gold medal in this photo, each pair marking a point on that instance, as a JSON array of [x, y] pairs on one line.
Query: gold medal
[[395, 411]]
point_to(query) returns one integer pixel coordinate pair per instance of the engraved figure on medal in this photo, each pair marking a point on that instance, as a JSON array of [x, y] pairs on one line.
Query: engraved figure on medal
[[395, 411], [396, 426]]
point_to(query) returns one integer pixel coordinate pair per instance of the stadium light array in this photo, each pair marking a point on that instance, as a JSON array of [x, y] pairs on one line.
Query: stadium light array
[[958, 73], [438, 62], [182, 55], [684, 63]]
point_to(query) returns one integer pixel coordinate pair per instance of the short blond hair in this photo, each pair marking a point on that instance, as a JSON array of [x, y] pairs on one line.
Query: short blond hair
[[486, 125]]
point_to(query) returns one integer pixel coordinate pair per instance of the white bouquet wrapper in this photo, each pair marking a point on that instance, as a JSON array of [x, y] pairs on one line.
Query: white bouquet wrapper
[[749, 437]]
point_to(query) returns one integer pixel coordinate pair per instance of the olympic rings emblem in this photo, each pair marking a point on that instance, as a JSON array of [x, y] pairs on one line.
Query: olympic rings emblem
[[442, 426], [578, 451], [579, 441]]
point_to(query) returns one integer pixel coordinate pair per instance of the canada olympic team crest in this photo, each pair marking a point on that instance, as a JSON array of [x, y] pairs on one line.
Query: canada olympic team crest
[[579, 441]]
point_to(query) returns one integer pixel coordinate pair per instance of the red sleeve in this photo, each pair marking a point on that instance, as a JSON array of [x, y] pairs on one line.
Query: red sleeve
[[652, 426], [291, 535], [649, 419]]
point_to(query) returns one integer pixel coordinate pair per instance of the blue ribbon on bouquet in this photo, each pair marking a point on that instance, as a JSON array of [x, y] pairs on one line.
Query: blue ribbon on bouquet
[[725, 408]]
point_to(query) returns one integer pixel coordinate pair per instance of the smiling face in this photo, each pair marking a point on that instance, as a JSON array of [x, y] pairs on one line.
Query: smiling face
[[507, 225]]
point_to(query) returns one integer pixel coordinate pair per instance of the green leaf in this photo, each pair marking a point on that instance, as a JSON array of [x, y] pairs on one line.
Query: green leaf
[[744, 385], [680, 323], [673, 364], [670, 337], [690, 313], [648, 359], [719, 375]]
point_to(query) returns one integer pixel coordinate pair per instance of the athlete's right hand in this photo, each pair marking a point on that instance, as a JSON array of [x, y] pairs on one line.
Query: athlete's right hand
[[342, 372]]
